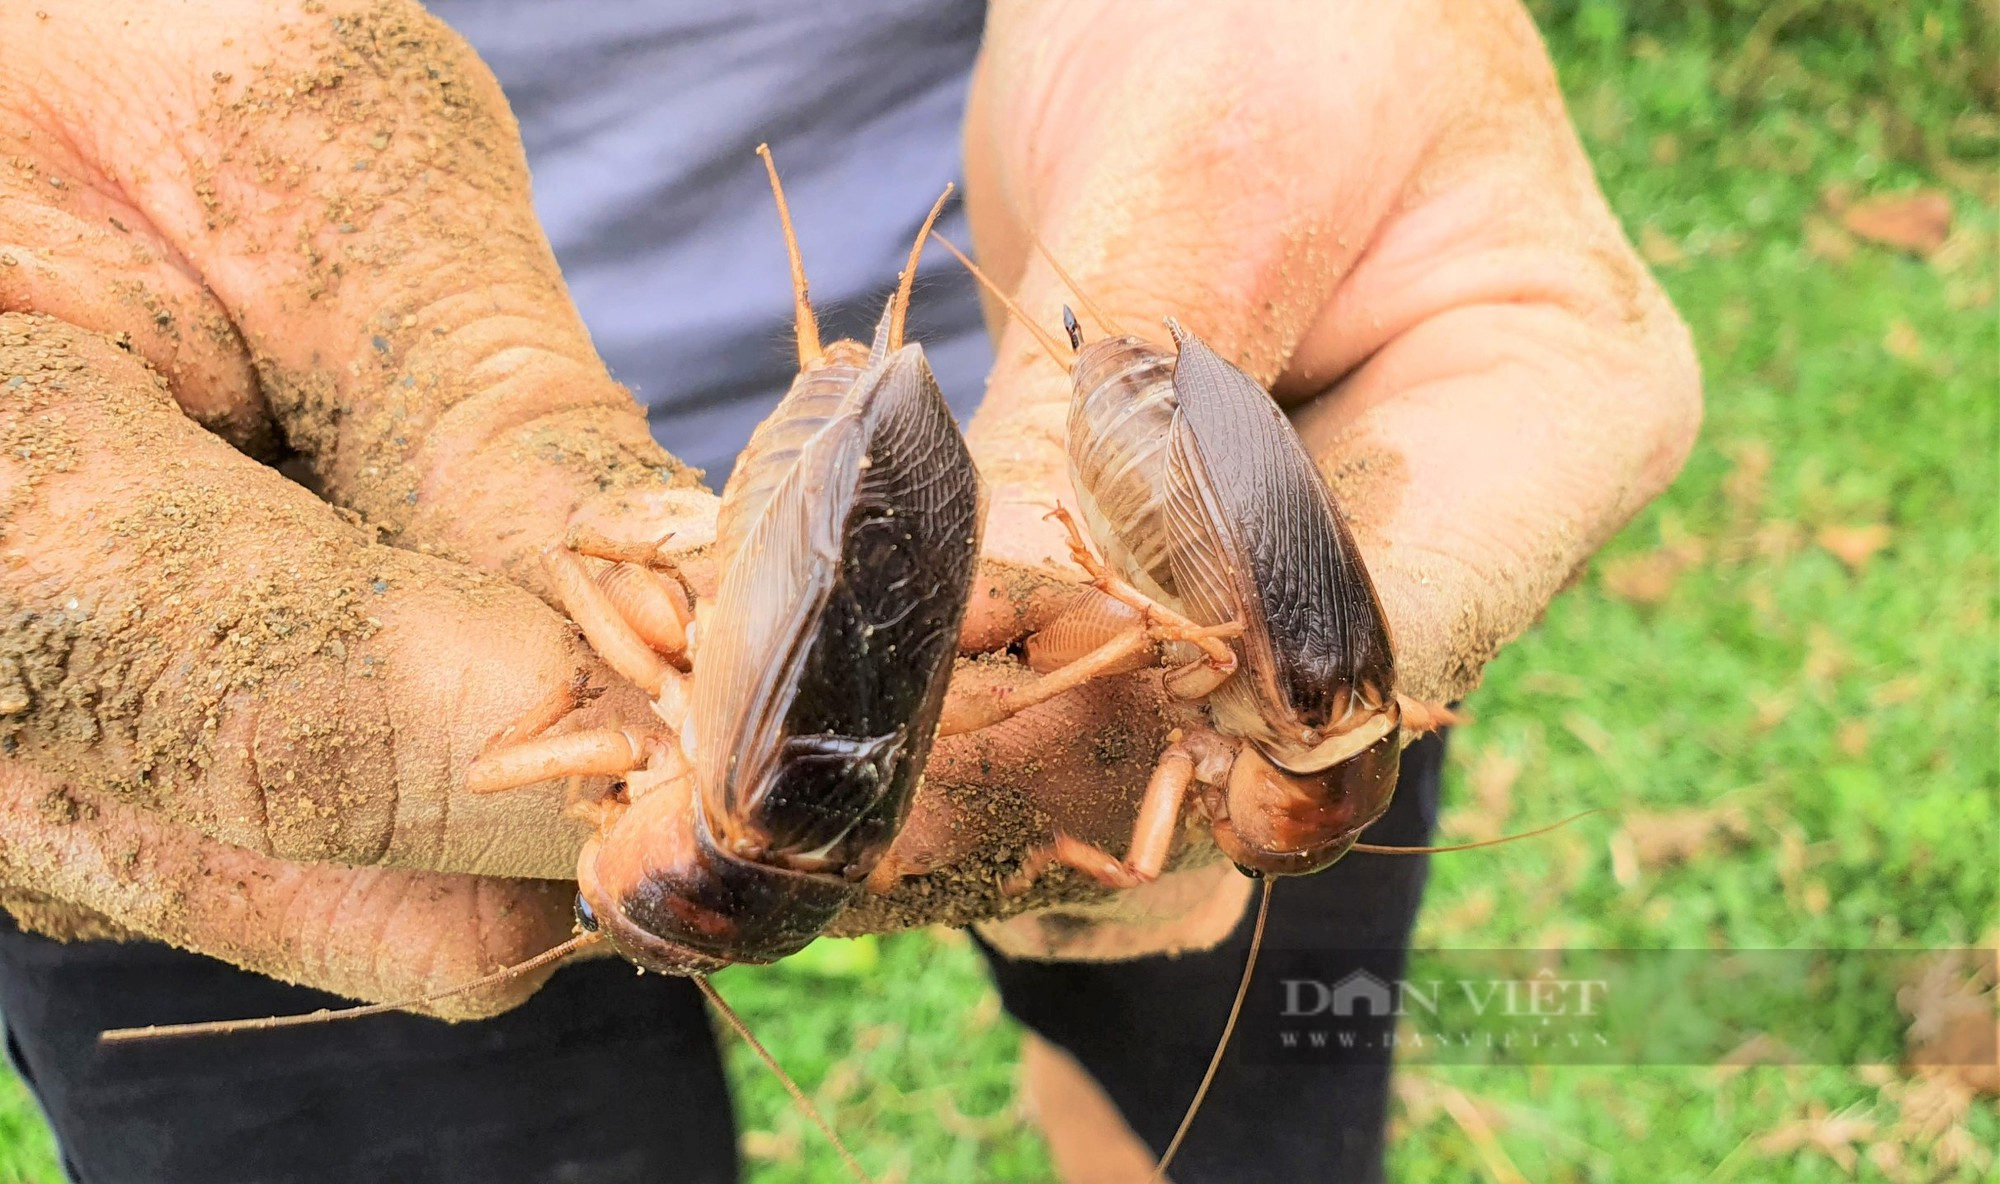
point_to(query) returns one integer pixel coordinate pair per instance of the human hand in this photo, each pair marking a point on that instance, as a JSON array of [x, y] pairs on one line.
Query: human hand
[[235, 719], [1382, 213]]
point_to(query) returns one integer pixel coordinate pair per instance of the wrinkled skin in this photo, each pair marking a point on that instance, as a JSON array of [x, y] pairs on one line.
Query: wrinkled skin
[[1382, 212], [311, 225]]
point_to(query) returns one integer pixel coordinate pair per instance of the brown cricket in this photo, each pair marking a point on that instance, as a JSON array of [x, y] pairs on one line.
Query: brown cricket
[[805, 699], [1223, 552]]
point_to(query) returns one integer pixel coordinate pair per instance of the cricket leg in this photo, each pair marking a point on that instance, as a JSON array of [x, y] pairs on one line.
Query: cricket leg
[[522, 754], [519, 754], [604, 625], [646, 587], [890, 872], [1121, 653], [1152, 835], [635, 619], [593, 752], [597, 545], [544, 715], [1097, 636], [1165, 623]]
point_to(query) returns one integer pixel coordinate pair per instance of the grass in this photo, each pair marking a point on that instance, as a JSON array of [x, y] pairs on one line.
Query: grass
[[1800, 747], [27, 1152]]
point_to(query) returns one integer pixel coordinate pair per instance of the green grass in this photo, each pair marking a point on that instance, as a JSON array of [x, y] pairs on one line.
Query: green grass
[[27, 1151], [1800, 754]]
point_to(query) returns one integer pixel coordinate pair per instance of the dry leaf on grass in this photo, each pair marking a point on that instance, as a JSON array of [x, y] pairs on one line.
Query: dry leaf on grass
[[1645, 579], [1854, 546], [844, 1079], [1888, 1159], [1954, 1019], [959, 1124], [1770, 708], [1491, 779], [1466, 916], [1760, 1049], [1826, 659], [1555, 684], [1624, 859], [1902, 343], [1930, 1127], [1658, 248], [1918, 222], [1589, 733], [1648, 578], [1931, 1104], [1675, 836], [1826, 240], [1852, 738], [1896, 691], [1935, 1107], [1966, 254], [1776, 539], [986, 1012], [1743, 488], [1423, 1097], [1795, 856], [769, 1147], [1835, 1136]]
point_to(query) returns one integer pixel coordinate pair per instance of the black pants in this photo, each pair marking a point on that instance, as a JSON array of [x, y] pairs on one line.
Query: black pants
[[607, 1076]]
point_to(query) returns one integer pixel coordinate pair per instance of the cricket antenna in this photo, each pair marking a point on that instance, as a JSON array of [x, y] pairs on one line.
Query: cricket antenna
[[327, 1015], [799, 1097], [899, 309], [802, 310], [1375, 849], [1228, 1030], [1069, 281], [1041, 335]]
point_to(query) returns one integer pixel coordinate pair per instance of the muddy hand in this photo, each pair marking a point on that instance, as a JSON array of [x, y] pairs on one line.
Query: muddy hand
[[308, 226], [1381, 212]]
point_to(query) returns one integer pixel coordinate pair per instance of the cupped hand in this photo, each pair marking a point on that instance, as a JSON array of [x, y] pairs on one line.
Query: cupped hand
[[1382, 213], [236, 713]]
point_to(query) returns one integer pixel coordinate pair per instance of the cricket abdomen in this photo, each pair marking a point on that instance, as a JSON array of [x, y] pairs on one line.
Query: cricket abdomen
[[1119, 421]]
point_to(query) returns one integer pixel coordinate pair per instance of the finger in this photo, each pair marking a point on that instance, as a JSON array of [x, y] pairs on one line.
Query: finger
[[78, 253], [191, 632], [367, 933], [1011, 600], [1496, 449], [347, 181]]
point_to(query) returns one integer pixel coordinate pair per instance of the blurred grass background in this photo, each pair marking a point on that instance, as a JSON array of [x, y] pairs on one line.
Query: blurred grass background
[[1782, 678]]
